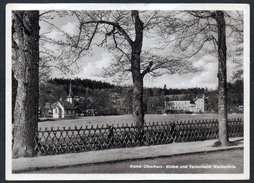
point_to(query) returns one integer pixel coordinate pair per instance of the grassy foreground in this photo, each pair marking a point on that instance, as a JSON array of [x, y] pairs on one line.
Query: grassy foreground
[[120, 119]]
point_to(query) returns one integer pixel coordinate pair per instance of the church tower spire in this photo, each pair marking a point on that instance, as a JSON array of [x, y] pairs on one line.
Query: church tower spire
[[70, 96], [70, 90]]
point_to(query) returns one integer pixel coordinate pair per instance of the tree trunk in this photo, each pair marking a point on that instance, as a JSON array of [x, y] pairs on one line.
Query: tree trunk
[[14, 94], [222, 78], [25, 59], [137, 77], [137, 103]]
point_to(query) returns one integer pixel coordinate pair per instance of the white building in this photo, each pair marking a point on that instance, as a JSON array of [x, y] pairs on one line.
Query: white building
[[64, 109], [197, 105]]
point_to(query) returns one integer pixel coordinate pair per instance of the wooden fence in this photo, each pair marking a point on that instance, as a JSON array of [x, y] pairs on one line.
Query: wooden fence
[[80, 139]]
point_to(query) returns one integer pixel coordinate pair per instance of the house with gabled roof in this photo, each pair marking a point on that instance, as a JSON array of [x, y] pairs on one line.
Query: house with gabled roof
[[64, 108]]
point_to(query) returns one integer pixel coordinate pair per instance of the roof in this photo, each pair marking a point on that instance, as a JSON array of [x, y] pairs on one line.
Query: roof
[[178, 97], [184, 97], [65, 104]]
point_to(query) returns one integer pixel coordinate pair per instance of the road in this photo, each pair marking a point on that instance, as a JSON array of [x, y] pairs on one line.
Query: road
[[211, 162]]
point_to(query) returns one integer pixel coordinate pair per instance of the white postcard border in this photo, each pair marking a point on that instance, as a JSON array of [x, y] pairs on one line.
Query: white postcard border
[[128, 6]]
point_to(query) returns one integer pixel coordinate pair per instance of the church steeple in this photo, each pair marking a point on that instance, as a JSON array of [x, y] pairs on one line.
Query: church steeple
[[70, 96], [70, 90]]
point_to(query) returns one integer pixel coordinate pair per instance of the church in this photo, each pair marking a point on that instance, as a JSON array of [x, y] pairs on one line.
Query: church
[[64, 108]]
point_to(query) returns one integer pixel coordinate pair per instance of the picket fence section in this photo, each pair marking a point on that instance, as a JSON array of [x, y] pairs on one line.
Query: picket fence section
[[89, 138]]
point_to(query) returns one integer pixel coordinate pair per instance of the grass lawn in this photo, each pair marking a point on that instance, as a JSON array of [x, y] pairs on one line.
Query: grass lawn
[[120, 119]]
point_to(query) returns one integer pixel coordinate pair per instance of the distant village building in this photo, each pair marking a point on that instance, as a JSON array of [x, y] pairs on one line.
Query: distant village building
[[120, 105], [62, 108], [197, 105]]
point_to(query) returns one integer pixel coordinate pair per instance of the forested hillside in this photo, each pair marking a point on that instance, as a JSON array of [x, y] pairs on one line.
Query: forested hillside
[[108, 99], [80, 86]]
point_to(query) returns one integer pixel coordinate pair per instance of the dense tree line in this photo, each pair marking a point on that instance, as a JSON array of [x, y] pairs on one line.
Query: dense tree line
[[98, 95], [235, 97], [175, 91], [80, 86]]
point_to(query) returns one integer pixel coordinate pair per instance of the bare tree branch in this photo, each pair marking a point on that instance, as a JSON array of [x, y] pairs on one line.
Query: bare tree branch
[[148, 68]]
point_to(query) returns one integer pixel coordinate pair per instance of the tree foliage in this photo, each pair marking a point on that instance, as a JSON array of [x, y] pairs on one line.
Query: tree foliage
[[80, 84], [199, 32], [123, 34], [185, 35], [194, 34], [57, 88]]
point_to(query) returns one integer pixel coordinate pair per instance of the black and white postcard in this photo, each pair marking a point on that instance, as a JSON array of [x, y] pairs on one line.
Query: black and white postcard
[[127, 91]]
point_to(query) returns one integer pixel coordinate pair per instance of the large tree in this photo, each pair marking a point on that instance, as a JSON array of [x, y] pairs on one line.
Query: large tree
[[205, 32], [25, 62], [222, 77], [122, 33]]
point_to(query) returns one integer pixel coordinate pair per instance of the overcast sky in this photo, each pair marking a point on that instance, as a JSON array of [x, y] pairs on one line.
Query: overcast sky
[[90, 67]]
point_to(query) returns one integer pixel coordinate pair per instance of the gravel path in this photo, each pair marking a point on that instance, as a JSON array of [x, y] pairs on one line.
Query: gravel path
[[230, 161]]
